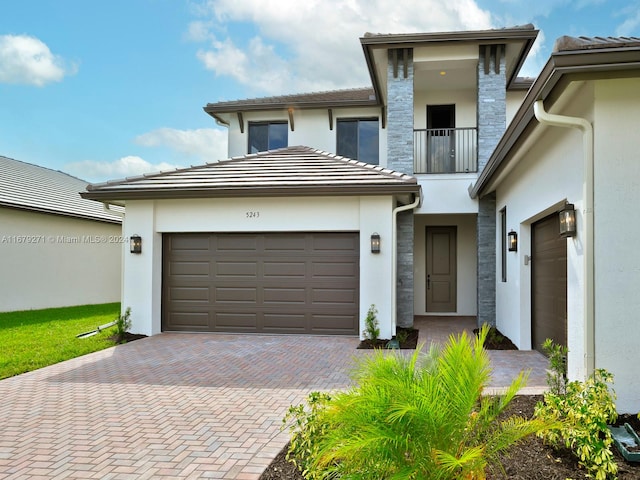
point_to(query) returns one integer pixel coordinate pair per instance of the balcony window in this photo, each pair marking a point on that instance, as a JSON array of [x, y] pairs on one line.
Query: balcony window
[[359, 139], [265, 136]]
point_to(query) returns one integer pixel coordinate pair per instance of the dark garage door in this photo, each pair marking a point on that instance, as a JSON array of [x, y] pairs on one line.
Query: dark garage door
[[549, 283], [261, 283]]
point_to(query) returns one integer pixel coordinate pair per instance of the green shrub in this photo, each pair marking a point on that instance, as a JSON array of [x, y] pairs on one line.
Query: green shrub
[[414, 417], [583, 412], [306, 428], [557, 373], [371, 327], [123, 325]]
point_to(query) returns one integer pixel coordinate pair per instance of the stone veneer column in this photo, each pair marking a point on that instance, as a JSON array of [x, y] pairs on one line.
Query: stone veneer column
[[492, 122], [400, 158]]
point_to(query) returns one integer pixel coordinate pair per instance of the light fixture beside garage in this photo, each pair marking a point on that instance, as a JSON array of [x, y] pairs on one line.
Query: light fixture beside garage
[[135, 244], [512, 241], [375, 243], [567, 221]]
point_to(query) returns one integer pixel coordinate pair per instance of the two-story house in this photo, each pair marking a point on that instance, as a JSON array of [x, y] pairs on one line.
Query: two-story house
[[418, 195]]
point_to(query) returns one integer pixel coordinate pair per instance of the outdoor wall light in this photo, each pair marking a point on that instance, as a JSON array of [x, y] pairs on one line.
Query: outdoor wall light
[[512, 241], [567, 221], [135, 243], [375, 243]]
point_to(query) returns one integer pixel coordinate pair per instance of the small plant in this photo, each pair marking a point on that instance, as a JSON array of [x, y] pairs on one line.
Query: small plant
[[402, 336], [123, 324], [557, 374], [306, 427], [371, 326], [583, 410]]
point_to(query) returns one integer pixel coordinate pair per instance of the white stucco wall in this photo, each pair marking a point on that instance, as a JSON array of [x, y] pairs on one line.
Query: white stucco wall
[[549, 173], [311, 128], [617, 262], [56, 261], [466, 261], [143, 272]]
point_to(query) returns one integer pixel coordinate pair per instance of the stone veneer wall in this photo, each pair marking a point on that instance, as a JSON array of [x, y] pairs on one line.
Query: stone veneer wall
[[492, 122], [400, 158]]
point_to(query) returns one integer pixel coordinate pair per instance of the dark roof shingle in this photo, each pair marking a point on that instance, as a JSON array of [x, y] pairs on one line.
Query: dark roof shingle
[[292, 171], [567, 43], [30, 187]]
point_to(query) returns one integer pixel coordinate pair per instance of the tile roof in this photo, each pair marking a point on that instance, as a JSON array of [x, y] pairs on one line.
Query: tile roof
[[353, 96], [30, 187], [567, 43], [292, 171]]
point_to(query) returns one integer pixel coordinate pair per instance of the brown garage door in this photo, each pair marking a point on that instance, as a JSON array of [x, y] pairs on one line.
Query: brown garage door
[[261, 283], [549, 283]]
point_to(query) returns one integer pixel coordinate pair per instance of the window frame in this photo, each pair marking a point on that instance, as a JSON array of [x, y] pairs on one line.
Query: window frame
[[503, 242], [358, 120], [268, 123]]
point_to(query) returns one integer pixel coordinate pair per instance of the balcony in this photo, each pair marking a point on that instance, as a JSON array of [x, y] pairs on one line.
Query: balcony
[[445, 150]]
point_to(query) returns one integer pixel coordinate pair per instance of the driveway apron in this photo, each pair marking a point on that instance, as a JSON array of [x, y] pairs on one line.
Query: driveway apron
[[172, 405]]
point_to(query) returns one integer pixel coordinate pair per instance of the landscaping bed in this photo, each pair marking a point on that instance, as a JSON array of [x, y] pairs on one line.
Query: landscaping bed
[[528, 460]]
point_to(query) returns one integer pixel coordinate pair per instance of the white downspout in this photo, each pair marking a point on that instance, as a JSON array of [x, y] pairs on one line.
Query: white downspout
[[394, 255], [589, 245]]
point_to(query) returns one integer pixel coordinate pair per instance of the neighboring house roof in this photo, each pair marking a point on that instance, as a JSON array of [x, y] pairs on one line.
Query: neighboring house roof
[[354, 97], [576, 58], [292, 171], [519, 40], [26, 186]]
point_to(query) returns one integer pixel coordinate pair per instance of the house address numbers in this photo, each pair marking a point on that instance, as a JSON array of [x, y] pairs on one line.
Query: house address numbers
[[252, 214]]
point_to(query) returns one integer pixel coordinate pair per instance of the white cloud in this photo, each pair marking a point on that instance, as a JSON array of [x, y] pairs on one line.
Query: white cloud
[[27, 60], [207, 144], [128, 166], [632, 20], [307, 46]]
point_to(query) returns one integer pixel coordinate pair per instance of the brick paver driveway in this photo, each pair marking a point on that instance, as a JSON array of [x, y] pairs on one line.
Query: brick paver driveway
[[173, 405]]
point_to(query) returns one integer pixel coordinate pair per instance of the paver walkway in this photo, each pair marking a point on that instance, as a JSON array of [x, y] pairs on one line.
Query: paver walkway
[[172, 406]]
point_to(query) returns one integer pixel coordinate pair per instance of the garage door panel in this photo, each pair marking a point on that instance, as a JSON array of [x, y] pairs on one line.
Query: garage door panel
[[233, 243], [334, 296], [285, 295], [236, 269], [284, 323], [284, 270], [190, 243], [267, 282], [196, 321], [236, 295], [332, 270], [186, 268], [236, 321], [280, 243], [190, 294]]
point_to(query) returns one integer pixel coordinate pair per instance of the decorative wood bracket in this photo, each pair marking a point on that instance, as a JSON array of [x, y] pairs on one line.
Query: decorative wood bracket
[[241, 122], [290, 110]]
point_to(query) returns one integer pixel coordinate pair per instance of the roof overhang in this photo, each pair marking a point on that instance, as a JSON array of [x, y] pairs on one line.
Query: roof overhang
[[519, 41], [288, 172], [562, 69]]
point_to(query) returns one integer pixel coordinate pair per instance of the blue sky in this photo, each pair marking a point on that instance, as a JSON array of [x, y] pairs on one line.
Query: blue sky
[[103, 90]]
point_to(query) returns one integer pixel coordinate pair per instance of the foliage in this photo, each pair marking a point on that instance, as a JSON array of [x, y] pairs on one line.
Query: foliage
[[402, 336], [123, 325], [557, 374], [584, 412], [305, 428], [33, 339], [371, 326], [392, 423]]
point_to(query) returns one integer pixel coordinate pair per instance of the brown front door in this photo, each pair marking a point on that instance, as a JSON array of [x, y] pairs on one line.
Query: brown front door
[[441, 269], [261, 282], [549, 283]]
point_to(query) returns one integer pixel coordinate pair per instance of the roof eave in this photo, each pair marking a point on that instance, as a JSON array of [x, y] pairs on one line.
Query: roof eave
[[46, 211], [295, 191], [215, 111], [559, 66]]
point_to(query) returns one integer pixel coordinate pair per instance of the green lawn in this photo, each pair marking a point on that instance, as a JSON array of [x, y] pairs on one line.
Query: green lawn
[[33, 339]]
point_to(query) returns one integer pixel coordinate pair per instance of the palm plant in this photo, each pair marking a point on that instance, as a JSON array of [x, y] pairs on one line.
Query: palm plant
[[422, 416]]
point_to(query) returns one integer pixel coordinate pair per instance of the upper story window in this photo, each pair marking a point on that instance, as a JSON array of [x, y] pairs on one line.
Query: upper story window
[[358, 139], [265, 136]]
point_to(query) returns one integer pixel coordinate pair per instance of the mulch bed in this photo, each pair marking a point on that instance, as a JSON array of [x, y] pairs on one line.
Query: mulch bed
[[127, 337], [409, 337], [529, 460]]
